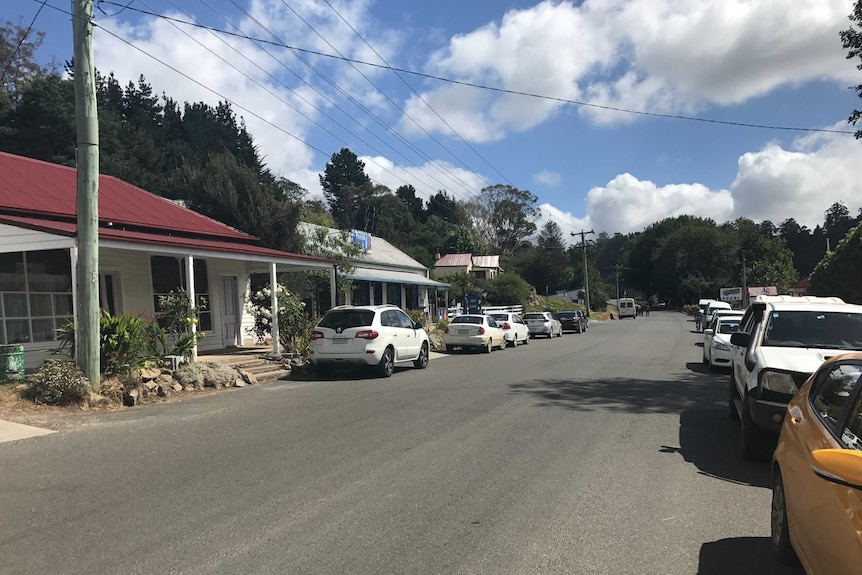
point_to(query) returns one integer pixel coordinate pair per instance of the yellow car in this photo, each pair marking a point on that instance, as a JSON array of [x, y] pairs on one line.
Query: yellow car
[[817, 472]]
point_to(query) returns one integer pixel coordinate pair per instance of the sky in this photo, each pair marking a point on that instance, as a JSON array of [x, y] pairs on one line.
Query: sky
[[518, 92]]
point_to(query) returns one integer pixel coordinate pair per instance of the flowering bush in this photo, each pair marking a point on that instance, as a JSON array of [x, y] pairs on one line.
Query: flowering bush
[[294, 327], [59, 383], [177, 315]]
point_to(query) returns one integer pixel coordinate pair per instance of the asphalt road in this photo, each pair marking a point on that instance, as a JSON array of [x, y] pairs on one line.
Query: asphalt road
[[608, 452]]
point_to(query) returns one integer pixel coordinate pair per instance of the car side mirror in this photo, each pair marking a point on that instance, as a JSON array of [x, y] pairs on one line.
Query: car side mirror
[[708, 332], [418, 325], [741, 339], [839, 466]]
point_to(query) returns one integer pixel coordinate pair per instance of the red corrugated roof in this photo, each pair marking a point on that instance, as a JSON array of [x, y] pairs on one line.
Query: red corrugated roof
[[452, 260], [42, 196], [33, 187]]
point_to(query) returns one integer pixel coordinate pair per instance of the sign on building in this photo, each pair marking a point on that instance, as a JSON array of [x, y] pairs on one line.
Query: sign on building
[[730, 294], [362, 238]]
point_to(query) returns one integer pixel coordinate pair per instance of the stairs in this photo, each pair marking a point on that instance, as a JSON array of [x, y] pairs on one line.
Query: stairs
[[265, 371]]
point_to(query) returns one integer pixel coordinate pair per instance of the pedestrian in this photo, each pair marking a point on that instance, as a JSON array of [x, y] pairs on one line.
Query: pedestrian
[[698, 319]]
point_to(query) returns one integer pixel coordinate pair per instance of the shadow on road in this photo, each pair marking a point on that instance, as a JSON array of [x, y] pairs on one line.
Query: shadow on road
[[707, 437], [742, 556]]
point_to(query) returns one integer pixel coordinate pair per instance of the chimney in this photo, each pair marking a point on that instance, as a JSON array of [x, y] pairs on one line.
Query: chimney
[[437, 256]]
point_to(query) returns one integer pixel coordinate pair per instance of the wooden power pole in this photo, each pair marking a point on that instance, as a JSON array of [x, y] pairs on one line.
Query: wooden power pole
[[582, 233], [87, 260]]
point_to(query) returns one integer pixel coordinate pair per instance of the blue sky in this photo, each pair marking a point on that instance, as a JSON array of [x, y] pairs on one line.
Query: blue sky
[[746, 61]]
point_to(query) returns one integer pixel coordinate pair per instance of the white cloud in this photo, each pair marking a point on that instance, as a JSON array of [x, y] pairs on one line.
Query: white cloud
[[627, 204], [800, 183], [568, 223], [428, 178], [668, 56], [548, 178]]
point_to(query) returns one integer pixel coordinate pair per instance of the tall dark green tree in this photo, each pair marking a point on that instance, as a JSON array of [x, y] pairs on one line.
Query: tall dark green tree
[[503, 217], [414, 204], [851, 39], [346, 187], [840, 272]]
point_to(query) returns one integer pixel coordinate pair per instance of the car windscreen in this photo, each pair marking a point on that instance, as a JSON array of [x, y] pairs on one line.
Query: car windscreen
[[467, 319], [344, 319], [567, 315], [500, 316], [533, 316], [812, 328], [728, 326]]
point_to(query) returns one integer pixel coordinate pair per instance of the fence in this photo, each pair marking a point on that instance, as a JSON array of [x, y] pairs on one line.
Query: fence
[[519, 309]]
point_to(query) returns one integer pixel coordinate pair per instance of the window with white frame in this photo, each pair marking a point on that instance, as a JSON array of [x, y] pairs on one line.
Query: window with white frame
[[169, 274], [35, 295]]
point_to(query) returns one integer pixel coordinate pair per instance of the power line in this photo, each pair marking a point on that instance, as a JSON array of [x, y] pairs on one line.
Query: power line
[[418, 95], [21, 41], [493, 88]]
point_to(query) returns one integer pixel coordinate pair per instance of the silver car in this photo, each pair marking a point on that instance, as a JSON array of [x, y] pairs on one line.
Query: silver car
[[543, 323]]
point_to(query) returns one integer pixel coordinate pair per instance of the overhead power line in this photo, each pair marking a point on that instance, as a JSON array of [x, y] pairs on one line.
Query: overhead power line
[[491, 88]]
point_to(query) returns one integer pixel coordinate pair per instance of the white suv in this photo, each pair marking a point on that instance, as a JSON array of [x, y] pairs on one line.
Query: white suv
[[369, 335], [781, 341]]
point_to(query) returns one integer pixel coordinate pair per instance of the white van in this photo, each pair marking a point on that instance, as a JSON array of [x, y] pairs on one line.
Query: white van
[[710, 310], [626, 305]]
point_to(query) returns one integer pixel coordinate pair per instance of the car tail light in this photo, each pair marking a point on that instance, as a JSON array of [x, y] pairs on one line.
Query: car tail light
[[506, 325], [481, 331], [546, 320], [366, 334], [316, 335], [446, 330]]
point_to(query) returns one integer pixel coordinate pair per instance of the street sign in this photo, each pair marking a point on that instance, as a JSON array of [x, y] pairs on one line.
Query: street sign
[[730, 294]]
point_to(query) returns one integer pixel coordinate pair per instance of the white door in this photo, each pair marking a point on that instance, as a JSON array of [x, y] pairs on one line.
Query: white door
[[230, 311]]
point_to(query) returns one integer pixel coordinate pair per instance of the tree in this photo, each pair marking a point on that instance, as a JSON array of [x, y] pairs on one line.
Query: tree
[[851, 39], [414, 204], [839, 273], [503, 216], [550, 271], [838, 222], [345, 184], [18, 47], [508, 289]]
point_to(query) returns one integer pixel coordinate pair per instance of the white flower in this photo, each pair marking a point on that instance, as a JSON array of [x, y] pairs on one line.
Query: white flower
[[267, 292], [265, 312], [264, 321], [258, 294], [280, 288]]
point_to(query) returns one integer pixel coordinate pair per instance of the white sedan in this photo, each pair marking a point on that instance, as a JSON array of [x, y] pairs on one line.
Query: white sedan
[[514, 329], [716, 341], [474, 330]]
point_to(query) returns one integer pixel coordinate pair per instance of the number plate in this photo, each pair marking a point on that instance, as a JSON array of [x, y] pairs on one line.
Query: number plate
[[462, 332], [339, 340]]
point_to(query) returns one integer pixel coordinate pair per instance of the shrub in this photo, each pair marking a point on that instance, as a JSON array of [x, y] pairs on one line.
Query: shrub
[[294, 327], [126, 343], [177, 315], [217, 375], [59, 383], [190, 375], [416, 315]]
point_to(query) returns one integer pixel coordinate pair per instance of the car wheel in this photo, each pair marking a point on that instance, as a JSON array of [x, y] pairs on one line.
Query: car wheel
[[778, 523], [515, 340], [527, 340], [489, 347], [503, 344], [732, 413], [323, 370], [752, 439], [421, 362], [387, 363], [450, 348]]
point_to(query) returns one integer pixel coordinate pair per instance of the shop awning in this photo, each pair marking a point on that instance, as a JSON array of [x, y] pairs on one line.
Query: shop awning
[[393, 276]]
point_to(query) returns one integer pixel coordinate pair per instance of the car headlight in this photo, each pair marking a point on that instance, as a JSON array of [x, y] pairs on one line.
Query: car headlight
[[721, 346], [778, 381]]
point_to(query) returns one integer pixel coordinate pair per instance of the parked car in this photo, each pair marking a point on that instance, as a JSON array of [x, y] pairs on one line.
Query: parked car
[[626, 307], [781, 341], [712, 308], [514, 329], [817, 472], [377, 335], [474, 331], [716, 341], [572, 320], [543, 323]]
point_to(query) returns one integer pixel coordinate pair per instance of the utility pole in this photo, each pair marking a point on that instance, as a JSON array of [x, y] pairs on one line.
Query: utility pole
[[582, 233], [618, 268], [744, 284], [87, 268]]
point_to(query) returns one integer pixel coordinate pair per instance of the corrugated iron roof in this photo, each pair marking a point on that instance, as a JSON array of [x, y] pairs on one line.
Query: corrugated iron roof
[[454, 260], [492, 262], [33, 187], [42, 196], [382, 252]]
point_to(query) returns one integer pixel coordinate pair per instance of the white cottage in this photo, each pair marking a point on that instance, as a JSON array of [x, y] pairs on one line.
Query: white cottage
[[148, 246]]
